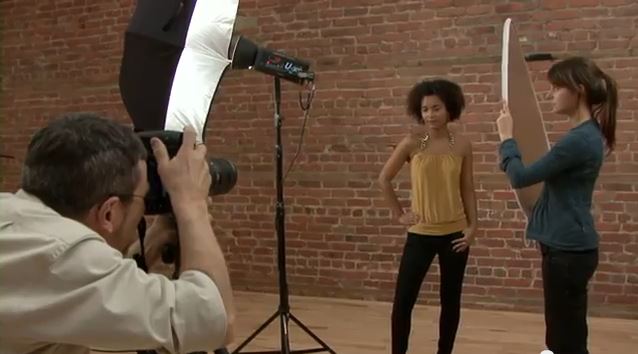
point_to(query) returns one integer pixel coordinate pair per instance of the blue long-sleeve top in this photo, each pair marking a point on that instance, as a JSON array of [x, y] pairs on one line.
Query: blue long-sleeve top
[[561, 217]]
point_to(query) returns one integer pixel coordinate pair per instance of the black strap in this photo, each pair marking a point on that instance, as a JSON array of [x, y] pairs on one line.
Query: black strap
[[140, 258]]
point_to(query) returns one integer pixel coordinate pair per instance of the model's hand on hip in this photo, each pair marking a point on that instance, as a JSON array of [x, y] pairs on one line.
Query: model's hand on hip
[[463, 243]]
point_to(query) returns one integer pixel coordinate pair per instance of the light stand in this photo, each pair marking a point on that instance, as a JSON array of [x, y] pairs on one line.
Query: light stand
[[283, 312]]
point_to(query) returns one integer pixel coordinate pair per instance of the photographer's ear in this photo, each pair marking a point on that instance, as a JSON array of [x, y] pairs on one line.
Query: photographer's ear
[[108, 215]]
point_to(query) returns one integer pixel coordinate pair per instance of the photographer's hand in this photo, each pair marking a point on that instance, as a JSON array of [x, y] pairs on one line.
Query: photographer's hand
[[186, 177], [187, 180], [161, 233]]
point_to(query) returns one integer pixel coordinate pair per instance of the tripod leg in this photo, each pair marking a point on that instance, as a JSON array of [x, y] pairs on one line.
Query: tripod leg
[[256, 333], [310, 333], [285, 339]]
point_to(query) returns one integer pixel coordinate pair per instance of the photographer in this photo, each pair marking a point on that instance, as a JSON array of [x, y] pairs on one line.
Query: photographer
[[65, 286]]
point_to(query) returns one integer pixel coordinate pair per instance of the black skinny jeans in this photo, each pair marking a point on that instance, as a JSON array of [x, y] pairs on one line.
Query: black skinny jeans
[[565, 279], [418, 253]]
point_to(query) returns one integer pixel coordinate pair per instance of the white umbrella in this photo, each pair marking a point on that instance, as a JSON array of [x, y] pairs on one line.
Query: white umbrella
[[175, 54]]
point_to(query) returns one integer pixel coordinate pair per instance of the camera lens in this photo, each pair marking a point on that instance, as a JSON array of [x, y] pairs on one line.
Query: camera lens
[[224, 176]]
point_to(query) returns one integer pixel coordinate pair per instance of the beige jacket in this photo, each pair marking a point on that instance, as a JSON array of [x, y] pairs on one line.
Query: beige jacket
[[64, 290]]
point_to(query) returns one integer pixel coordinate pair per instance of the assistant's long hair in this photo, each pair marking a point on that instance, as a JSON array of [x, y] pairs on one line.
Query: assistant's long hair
[[583, 76]]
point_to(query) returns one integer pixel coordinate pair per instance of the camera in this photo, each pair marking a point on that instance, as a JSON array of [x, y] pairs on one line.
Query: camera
[[157, 201]]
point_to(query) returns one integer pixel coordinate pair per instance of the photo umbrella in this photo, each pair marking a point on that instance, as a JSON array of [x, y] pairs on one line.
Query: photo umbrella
[[175, 54]]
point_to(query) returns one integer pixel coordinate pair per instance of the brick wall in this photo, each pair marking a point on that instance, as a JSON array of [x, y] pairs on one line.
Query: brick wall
[[367, 53]]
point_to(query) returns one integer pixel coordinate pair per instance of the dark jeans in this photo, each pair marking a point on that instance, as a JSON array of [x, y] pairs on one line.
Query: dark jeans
[[565, 279], [418, 253]]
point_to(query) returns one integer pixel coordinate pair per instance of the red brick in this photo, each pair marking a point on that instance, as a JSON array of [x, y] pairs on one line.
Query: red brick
[[367, 54]]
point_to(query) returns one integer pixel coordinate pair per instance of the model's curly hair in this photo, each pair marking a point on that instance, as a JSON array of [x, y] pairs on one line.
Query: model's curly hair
[[449, 92]]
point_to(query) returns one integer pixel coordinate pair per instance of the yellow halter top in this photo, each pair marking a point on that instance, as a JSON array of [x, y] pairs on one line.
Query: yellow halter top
[[436, 193]]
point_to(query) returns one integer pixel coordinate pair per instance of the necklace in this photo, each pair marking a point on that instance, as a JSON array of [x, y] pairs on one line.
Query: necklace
[[426, 138]]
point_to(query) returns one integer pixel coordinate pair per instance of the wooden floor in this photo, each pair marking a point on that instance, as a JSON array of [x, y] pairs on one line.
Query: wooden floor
[[358, 327]]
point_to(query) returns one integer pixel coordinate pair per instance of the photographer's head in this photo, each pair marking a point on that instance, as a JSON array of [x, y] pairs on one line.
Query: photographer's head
[[90, 169]]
